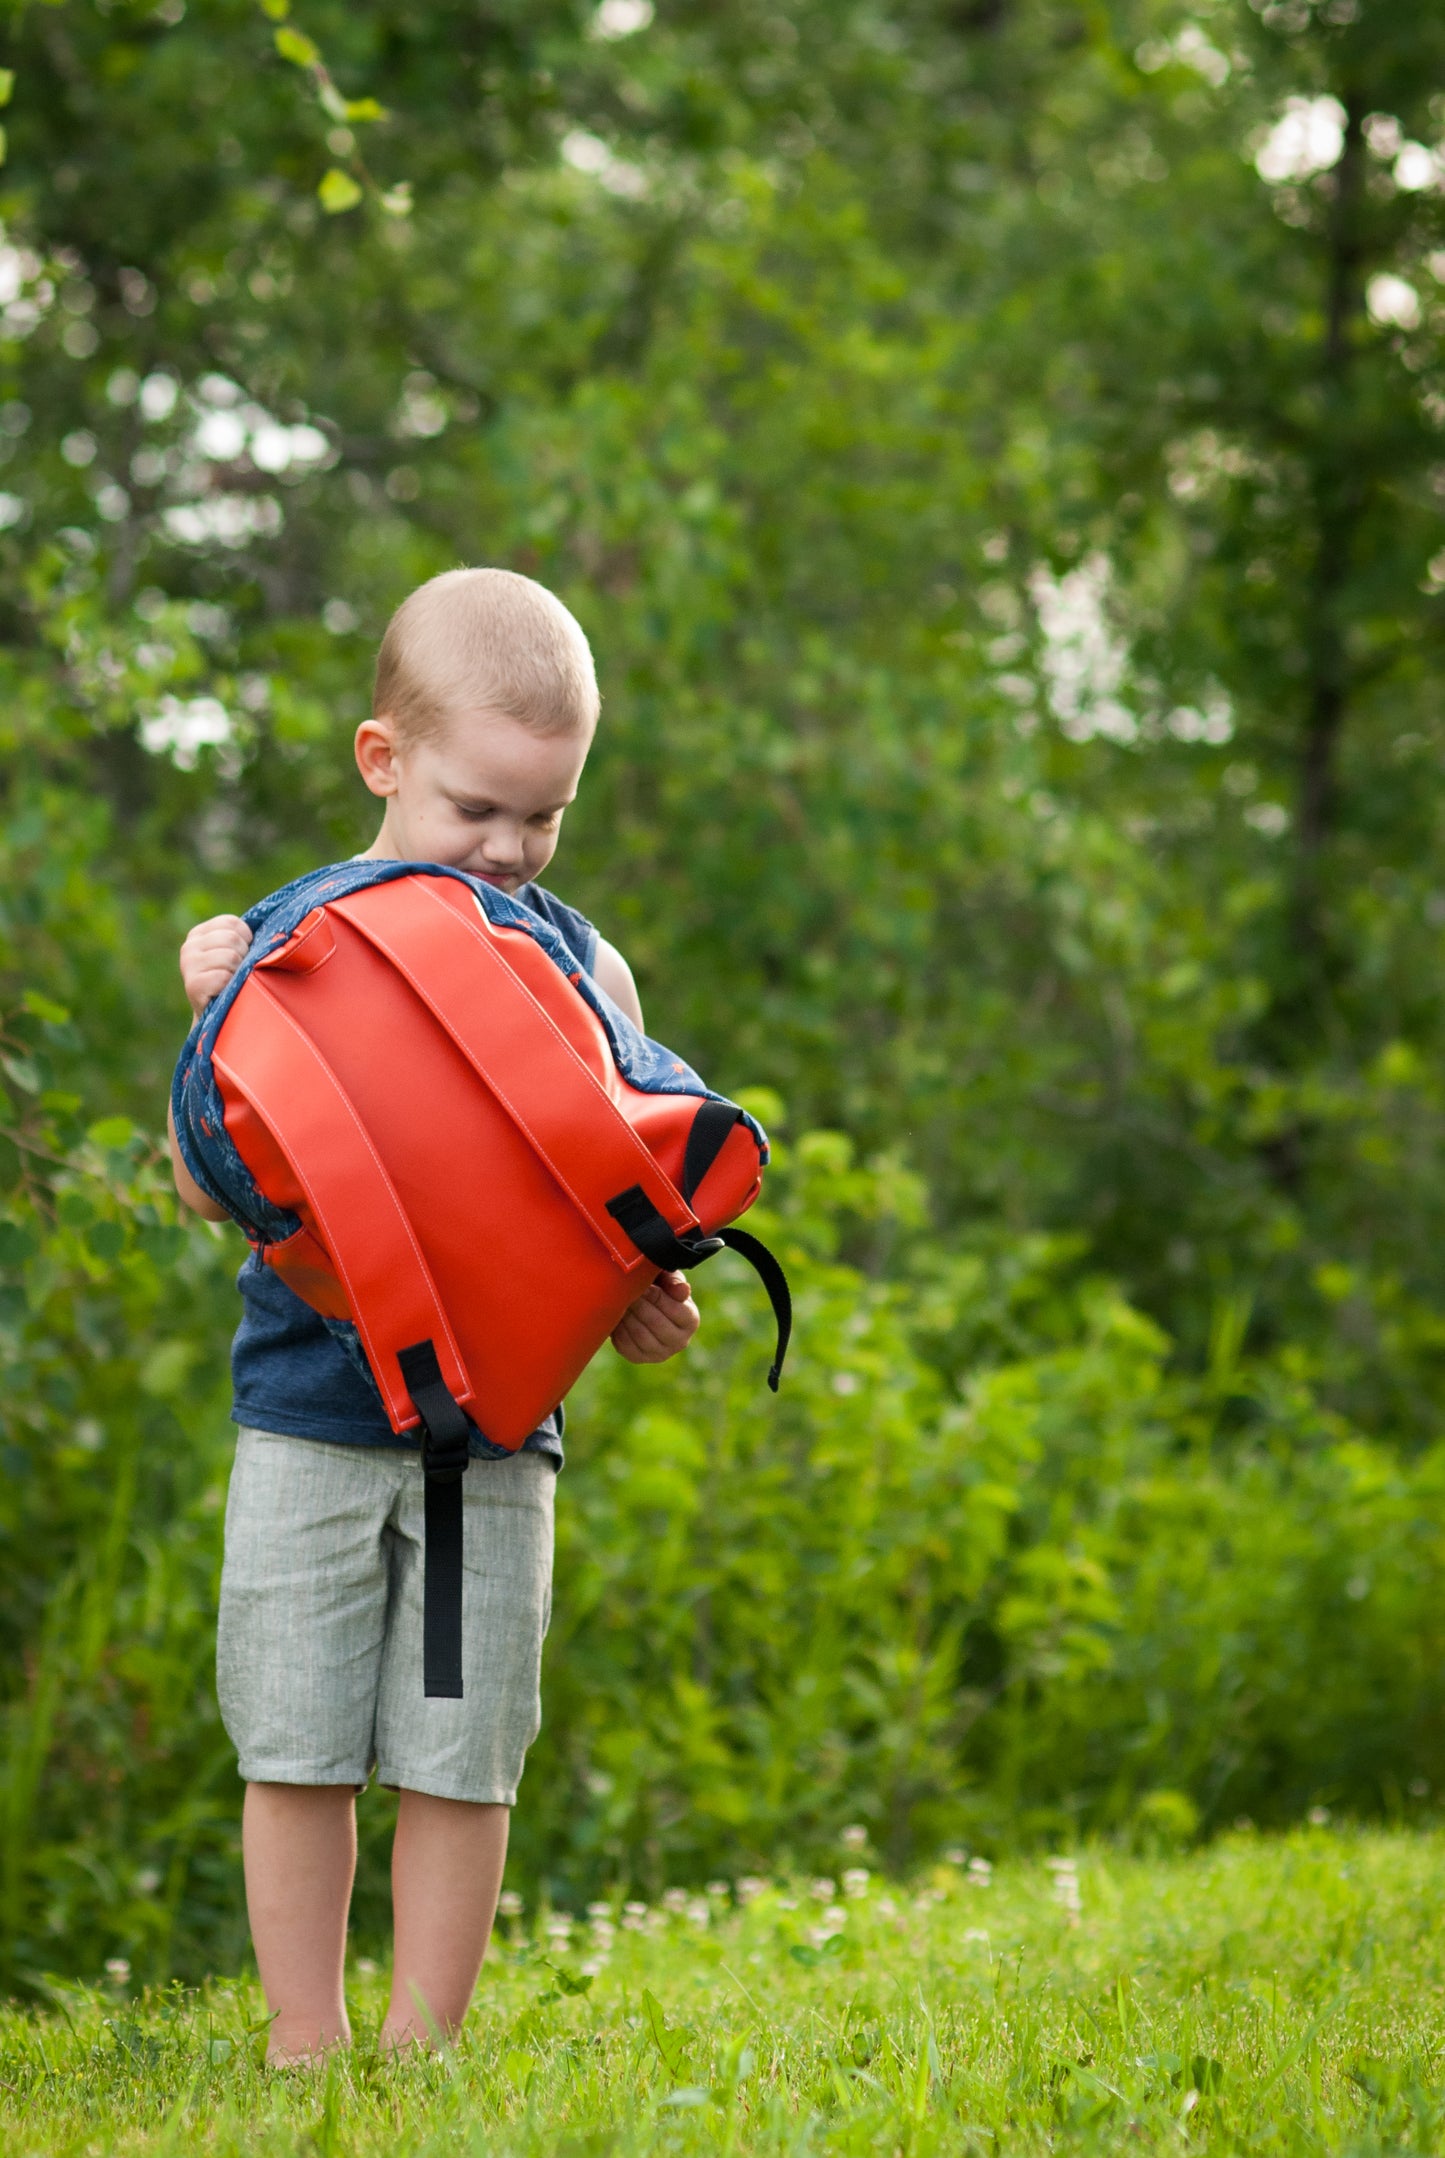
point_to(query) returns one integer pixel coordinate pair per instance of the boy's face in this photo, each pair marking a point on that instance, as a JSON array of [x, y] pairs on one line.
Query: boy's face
[[486, 795]]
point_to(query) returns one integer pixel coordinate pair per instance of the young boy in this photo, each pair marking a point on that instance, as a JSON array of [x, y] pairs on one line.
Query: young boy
[[483, 714]]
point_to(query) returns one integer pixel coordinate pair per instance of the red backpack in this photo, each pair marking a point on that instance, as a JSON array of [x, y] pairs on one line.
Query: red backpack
[[437, 1130]]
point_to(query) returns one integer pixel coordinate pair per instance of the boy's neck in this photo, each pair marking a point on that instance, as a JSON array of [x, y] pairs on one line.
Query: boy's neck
[[384, 847]]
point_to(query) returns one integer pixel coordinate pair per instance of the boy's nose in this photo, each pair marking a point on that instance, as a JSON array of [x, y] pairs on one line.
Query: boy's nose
[[502, 850]]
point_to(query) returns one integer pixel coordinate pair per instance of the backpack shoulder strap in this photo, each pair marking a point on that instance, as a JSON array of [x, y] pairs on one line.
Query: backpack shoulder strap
[[403, 1325], [266, 1057], [521, 1056]]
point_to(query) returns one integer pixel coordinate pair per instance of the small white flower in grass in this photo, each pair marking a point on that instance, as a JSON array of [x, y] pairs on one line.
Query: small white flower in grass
[[787, 1903], [1066, 1895], [634, 1917], [822, 1890], [147, 1881], [118, 1969], [719, 1891], [975, 1933], [855, 1881], [886, 1907], [980, 1872], [592, 1967], [699, 1911], [955, 1855], [1066, 1886], [748, 1887], [854, 1837], [655, 1922], [674, 1899], [510, 1904], [599, 1910], [366, 1967], [1318, 1816]]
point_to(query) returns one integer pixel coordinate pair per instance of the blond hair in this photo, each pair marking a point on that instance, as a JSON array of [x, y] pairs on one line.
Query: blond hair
[[484, 639]]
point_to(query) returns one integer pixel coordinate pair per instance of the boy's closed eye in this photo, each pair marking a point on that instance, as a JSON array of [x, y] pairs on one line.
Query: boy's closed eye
[[544, 820]]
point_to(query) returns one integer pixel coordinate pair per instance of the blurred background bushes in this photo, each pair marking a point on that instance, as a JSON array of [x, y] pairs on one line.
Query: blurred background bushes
[[996, 451]]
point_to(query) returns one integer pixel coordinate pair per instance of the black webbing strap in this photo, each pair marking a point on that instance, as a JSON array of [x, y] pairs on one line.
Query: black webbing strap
[[774, 1280], [652, 1236], [445, 1451], [706, 1139]]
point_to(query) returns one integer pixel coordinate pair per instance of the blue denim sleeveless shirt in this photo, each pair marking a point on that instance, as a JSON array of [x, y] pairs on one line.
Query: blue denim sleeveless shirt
[[290, 1375]]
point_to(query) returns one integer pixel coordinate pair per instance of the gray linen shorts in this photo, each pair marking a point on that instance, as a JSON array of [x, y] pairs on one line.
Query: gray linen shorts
[[319, 1646]]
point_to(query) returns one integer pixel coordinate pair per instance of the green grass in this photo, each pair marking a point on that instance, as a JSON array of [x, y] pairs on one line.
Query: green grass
[[1264, 1995]]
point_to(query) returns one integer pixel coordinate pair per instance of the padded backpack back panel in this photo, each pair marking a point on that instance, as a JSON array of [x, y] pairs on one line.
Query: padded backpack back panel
[[530, 1287]]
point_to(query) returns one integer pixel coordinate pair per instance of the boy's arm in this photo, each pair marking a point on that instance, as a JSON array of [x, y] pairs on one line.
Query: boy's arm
[[209, 957], [611, 972], [187, 1189]]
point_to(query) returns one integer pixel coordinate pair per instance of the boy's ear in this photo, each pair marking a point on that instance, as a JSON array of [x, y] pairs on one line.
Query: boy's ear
[[376, 754]]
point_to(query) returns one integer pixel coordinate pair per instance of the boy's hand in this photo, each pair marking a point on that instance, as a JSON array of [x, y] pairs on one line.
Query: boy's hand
[[210, 956], [661, 1322]]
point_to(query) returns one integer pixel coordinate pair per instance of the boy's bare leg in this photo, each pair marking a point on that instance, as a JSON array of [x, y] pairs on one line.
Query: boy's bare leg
[[299, 1842], [446, 1869]]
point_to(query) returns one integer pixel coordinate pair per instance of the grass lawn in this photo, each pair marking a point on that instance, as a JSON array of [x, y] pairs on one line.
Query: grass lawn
[[1265, 1995]]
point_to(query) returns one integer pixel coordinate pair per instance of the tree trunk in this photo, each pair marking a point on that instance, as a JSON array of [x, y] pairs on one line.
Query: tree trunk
[[1338, 501]]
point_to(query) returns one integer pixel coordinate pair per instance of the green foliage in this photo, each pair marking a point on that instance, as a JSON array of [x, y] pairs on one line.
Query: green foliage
[[1002, 478], [1265, 1997], [990, 1566]]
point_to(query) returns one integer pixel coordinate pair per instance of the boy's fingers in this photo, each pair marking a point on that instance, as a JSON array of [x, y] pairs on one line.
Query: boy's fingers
[[650, 1333], [225, 933], [668, 1327]]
